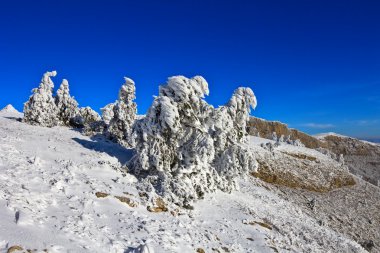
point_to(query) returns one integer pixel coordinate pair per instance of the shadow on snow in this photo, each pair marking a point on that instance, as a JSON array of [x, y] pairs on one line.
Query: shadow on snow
[[100, 144]]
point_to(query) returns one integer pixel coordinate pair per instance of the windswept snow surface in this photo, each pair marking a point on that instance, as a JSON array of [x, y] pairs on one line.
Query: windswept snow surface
[[49, 178]]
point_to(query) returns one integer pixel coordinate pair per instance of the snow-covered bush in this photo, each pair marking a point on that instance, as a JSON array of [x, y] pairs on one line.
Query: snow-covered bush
[[185, 148], [274, 136], [66, 104], [107, 113], [41, 109], [89, 115], [85, 117], [298, 143], [123, 114]]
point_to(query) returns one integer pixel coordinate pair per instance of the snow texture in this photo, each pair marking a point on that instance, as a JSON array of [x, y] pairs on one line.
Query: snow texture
[[186, 148], [41, 109]]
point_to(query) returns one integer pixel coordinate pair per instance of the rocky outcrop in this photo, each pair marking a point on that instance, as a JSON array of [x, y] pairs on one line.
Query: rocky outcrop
[[361, 157], [307, 169], [265, 129]]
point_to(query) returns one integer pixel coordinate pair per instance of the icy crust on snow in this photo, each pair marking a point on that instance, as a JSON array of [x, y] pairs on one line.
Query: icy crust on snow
[[186, 148], [49, 178]]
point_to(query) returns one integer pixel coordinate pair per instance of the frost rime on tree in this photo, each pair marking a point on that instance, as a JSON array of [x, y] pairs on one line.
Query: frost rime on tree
[[67, 105], [86, 117], [232, 158], [123, 114], [107, 113], [41, 109], [185, 148]]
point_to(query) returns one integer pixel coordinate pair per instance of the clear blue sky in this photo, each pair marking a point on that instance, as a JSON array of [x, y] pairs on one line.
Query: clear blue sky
[[312, 64]]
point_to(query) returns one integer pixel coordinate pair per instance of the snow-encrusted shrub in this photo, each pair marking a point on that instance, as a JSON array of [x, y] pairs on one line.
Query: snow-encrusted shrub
[[268, 146], [107, 113], [288, 140], [123, 114], [66, 104], [274, 136], [298, 143], [185, 148], [89, 115], [85, 117], [41, 109]]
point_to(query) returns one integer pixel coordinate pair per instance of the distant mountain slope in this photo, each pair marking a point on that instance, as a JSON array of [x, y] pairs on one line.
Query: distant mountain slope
[[373, 140], [362, 157]]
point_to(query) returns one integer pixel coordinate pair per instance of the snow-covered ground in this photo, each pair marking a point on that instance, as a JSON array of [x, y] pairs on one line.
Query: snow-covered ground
[[50, 177]]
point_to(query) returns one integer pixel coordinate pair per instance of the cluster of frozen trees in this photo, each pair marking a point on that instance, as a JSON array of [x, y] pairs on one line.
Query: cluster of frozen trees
[[184, 147], [44, 109]]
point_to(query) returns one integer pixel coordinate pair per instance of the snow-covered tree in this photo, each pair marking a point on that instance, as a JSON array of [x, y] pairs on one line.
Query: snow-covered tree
[[124, 114], [41, 109], [229, 122], [67, 105], [185, 148]]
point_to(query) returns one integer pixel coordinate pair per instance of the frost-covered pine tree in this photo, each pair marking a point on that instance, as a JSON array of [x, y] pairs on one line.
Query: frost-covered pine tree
[[173, 146], [232, 157], [41, 109], [185, 148], [124, 114], [66, 104]]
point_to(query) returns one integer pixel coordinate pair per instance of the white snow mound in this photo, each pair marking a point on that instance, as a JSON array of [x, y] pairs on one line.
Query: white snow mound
[[9, 108]]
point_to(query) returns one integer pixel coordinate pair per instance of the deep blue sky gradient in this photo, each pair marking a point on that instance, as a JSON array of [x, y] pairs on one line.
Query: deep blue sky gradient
[[312, 64]]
